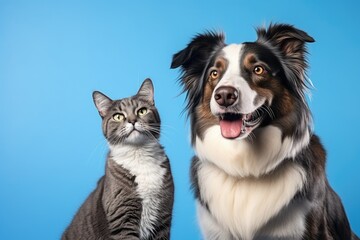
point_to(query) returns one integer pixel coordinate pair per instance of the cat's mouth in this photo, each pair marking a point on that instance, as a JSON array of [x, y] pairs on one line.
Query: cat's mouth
[[134, 131], [132, 136], [137, 133]]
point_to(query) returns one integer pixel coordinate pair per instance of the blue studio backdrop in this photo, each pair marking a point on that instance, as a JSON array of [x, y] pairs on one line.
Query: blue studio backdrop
[[54, 54]]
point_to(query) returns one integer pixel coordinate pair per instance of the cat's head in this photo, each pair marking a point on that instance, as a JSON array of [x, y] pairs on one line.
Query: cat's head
[[134, 120]]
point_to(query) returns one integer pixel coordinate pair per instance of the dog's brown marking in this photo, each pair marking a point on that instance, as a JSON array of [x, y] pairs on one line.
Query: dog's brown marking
[[205, 118]]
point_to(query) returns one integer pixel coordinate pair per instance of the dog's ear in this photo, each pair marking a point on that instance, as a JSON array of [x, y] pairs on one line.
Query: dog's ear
[[288, 39], [193, 61], [198, 50], [290, 43]]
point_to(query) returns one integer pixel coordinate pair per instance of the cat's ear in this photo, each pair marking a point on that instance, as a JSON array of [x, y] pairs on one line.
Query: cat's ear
[[102, 103], [146, 91]]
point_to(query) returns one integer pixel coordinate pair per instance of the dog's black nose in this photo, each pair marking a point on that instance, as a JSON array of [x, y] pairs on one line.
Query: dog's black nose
[[226, 96]]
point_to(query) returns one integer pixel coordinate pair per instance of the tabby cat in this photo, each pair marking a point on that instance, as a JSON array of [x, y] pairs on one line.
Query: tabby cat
[[134, 199]]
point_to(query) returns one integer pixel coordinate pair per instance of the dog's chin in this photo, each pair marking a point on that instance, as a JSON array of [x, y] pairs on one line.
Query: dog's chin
[[236, 125]]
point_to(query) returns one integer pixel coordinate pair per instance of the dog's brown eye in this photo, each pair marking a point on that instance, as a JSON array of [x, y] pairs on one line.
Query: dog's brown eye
[[258, 70], [214, 75]]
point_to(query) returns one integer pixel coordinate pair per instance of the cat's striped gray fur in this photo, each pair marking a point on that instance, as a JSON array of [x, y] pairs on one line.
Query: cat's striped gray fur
[[134, 199]]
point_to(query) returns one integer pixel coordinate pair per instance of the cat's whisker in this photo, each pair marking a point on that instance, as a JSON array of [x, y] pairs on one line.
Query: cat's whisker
[[168, 126], [164, 126], [101, 147], [162, 133], [151, 136]]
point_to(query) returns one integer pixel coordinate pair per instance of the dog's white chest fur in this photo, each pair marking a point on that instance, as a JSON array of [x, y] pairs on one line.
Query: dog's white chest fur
[[241, 202], [141, 163]]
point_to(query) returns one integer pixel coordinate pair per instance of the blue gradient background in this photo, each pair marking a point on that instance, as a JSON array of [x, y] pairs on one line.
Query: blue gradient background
[[53, 54]]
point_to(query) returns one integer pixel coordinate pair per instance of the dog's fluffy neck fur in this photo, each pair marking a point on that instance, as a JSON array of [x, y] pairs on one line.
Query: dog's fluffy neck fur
[[240, 209], [248, 158]]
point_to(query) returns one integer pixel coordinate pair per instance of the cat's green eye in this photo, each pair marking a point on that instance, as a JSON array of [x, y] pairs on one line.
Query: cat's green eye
[[142, 111], [118, 117]]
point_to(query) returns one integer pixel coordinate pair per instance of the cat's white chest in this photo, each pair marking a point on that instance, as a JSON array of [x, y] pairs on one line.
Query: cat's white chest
[[145, 164]]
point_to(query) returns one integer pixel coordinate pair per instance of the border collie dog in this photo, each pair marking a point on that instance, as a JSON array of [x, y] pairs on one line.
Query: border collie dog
[[259, 170]]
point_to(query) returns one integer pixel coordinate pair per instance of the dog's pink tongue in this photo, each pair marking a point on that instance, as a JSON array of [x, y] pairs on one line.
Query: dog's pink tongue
[[231, 129]]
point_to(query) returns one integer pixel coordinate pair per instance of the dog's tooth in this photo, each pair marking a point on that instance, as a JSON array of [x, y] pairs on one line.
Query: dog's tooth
[[243, 130]]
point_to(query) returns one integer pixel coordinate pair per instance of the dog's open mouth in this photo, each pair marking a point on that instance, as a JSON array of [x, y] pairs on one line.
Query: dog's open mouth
[[234, 125]]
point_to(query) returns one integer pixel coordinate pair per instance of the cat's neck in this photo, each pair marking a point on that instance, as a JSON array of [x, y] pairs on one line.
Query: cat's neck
[[151, 148]]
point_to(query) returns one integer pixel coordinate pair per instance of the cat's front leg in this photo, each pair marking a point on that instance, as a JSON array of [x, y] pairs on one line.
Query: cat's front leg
[[123, 212], [124, 226]]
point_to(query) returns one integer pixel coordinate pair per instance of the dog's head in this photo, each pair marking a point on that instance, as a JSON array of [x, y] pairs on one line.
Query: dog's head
[[244, 86]]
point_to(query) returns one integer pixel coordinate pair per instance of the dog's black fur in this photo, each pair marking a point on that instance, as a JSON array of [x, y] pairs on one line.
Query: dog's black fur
[[282, 49]]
